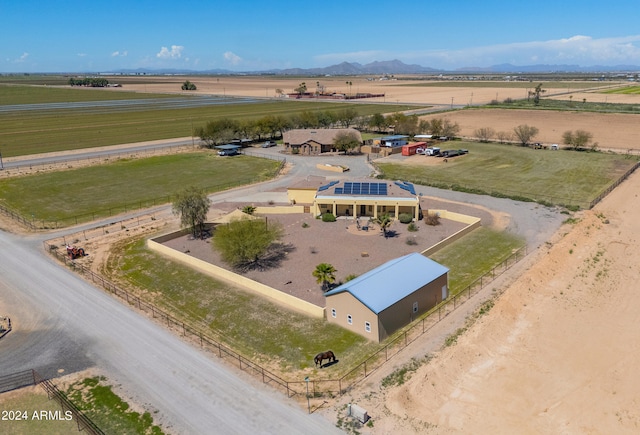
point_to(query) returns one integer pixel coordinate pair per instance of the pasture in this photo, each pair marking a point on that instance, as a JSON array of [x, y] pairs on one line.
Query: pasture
[[568, 178], [63, 198]]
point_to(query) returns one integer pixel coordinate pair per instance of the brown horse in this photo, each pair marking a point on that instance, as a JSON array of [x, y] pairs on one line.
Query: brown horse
[[324, 355]]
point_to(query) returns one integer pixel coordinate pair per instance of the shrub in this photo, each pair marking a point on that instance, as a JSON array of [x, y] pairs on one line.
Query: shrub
[[411, 241], [432, 219], [350, 277], [412, 227], [405, 218], [328, 217]]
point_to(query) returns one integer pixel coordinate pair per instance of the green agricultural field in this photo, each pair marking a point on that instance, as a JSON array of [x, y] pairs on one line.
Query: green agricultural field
[[562, 177], [627, 90], [67, 197], [40, 131], [13, 94], [248, 323]]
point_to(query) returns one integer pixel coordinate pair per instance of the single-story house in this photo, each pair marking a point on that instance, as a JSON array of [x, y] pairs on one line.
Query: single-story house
[[366, 199], [389, 297], [309, 141]]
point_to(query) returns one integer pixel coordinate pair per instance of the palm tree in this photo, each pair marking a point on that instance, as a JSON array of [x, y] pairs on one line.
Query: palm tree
[[384, 220], [325, 274]]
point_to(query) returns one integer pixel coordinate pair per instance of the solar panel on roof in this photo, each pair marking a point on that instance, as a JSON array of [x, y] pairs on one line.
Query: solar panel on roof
[[382, 189], [364, 188], [338, 191]]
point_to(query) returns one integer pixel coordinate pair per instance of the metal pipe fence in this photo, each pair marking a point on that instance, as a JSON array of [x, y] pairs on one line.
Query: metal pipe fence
[[319, 386]]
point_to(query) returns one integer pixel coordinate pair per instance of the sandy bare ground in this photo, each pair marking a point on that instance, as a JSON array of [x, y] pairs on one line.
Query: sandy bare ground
[[556, 354], [610, 130]]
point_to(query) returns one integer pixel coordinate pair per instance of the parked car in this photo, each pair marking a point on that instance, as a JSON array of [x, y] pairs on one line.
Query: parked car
[[228, 153], [269, 144], [432, 151]]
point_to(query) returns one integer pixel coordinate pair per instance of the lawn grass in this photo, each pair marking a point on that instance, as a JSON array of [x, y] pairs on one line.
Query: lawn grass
[[95, 398], [261, 330], [569, 178], [33, 399], [248, 323], [62, 198], [474, 255]]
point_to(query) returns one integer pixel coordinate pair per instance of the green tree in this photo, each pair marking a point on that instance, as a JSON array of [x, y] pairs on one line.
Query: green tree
[[378, 122], [218, 131], [536, 94], [192, 206], [525, 133], [346, 116], [346, 141], [384, 220], [301, 89], [188, 86], [249, 244], [324, 274]]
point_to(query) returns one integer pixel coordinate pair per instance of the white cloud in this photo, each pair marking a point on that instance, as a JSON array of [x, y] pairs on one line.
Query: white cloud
[[174, 53], [22, 58], [120, 53], [578, 49], [82, 54], [232, 58]]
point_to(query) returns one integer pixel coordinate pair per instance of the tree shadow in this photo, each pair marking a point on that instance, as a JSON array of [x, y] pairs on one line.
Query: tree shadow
[[271, 259]]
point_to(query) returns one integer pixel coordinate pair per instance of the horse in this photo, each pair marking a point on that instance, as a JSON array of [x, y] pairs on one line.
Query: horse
[[324, 355]]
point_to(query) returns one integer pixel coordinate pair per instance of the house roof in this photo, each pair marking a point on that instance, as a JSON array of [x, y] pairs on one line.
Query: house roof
[[227, 147], [366, 188], [323, 136], [391, 282]]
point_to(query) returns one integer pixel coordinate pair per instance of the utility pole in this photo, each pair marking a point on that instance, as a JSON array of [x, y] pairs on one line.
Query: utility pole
[[1, 164], [306, 379]]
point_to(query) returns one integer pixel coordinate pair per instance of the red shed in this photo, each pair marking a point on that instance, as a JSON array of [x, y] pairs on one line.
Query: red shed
[[411, 149]]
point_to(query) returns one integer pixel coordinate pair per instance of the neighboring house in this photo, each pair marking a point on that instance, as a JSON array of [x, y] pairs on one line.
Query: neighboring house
[[389, 297], [313, 141]]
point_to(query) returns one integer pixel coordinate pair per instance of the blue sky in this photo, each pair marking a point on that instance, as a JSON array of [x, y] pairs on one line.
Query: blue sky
[[242, 35]]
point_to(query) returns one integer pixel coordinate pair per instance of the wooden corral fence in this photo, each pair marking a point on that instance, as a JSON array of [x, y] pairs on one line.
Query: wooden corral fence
[[318, 386], [27, 378]]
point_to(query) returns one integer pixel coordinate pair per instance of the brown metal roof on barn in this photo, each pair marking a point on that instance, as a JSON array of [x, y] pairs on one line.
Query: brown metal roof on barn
[[323, 136]]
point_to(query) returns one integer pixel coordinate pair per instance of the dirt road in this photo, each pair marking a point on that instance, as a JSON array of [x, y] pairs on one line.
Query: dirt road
[[63, 324]]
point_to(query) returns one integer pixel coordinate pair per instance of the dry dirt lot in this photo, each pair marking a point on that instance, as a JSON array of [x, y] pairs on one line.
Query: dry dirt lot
[[556, 354], [340, 243]]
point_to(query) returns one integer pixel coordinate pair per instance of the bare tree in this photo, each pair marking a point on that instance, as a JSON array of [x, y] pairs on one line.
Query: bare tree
[[504, 136], [484, 134], [525, 133]]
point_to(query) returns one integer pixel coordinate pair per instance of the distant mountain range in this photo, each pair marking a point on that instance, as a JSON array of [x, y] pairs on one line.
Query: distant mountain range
[[390, 67]]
